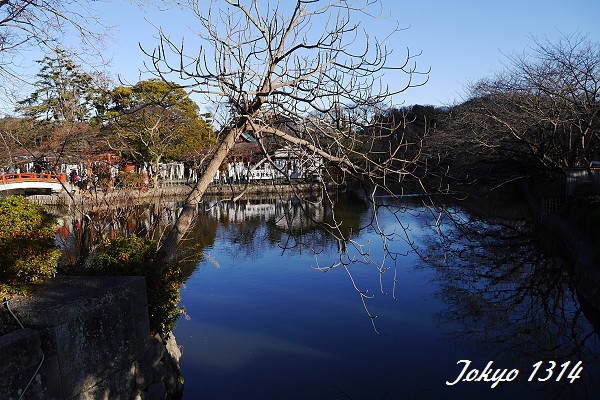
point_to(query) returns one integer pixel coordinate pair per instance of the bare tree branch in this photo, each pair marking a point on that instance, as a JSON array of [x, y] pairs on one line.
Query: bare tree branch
[[306, 76]]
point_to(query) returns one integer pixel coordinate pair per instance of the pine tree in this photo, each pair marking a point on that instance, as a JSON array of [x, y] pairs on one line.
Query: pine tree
[[63, 91]]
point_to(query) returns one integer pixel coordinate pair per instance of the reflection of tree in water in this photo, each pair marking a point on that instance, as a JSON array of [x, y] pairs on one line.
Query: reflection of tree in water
[[510, 300], [81, 232], [293, 224], [200, 238]]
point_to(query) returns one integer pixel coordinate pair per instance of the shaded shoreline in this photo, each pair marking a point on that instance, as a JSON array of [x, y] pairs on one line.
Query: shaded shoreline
[[169, 191]]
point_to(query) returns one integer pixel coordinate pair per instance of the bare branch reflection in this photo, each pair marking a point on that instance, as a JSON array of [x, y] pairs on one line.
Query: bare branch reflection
[[510, 295]]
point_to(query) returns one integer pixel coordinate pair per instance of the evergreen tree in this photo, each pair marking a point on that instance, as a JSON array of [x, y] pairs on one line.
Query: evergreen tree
[[156, 121], [63, 91]]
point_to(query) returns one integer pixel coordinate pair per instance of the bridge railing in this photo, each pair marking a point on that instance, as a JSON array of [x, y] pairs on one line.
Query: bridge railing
[[32, 177]]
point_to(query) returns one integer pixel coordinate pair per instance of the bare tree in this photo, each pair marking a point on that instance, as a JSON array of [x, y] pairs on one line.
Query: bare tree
[[46, 25], [545, 108], [289, 73]]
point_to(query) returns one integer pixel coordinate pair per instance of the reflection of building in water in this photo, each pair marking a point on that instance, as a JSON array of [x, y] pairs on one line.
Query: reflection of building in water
[[291, 213], [239, 211], [77, 230]]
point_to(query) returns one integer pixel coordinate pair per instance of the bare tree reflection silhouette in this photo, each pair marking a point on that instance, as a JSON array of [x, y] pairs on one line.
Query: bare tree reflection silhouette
[[510, 301]]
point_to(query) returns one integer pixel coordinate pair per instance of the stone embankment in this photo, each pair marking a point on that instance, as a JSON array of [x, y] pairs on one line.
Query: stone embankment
[[169, 190], [85, 338]]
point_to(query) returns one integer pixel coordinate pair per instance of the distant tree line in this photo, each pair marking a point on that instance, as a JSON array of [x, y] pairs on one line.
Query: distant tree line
[[534, 120], [72, 113]]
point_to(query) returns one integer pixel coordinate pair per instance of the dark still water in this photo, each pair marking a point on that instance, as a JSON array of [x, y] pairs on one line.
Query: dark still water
[[267, 323]]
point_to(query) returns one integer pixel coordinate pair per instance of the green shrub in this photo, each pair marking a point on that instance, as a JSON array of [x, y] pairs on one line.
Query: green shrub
[[28, 252], [134, 255]]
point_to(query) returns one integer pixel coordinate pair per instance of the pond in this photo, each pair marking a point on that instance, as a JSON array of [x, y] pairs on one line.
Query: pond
[[265, 318]]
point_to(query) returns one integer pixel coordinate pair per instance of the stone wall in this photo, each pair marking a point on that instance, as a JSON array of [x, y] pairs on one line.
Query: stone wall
[[85, 338]]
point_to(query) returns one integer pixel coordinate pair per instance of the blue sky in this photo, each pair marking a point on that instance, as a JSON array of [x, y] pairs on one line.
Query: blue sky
[[461, 41]]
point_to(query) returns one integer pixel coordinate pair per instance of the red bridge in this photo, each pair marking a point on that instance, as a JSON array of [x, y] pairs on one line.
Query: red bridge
[[31, 183]]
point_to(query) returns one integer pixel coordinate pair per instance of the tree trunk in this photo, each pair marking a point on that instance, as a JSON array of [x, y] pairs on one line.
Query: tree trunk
[[186, 217]]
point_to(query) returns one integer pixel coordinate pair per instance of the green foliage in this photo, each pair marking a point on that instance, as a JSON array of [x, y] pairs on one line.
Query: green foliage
[[134, 255], [63, 91], [27, 245], [157, 121]]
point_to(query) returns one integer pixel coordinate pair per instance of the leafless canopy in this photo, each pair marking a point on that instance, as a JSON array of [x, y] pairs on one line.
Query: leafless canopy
[[45, 25], [306, 74], [546, 104]]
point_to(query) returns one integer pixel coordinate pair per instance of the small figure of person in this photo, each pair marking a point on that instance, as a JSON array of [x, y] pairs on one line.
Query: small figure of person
[[72, 176]]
